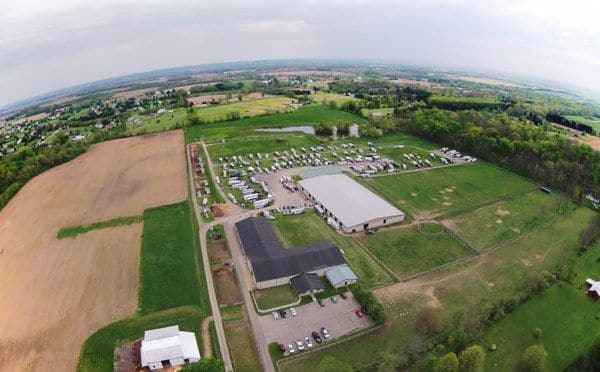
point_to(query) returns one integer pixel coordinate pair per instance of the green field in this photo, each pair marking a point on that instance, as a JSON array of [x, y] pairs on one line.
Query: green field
[[594, 123], [241, 347], [466, 288], [307, 228], [170, 275], [252, 146], [236, 129], [385, 111], [569, 320], [269, 298], [493, 224], [325, 98], [412, 250], [73, 231], [426, 194]]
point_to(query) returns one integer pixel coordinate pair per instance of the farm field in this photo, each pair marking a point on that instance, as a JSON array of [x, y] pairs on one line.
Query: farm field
[[306, 115], [241, 346], [275, 296], [63, 290], [384, 111], [325, 98], [594, 123], [262, 145], [411, 250], [307, 228], [567, 317], [466, 288], [483, 228], [433, 192]]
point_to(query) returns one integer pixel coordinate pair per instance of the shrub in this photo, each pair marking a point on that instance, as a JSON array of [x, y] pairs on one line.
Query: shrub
[[533, 359], [472, 359], [372, 307], [447, 363], [205, 365], [537, 332]]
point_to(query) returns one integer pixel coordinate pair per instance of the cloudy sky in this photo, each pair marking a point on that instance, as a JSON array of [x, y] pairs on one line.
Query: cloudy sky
[[45, 45]]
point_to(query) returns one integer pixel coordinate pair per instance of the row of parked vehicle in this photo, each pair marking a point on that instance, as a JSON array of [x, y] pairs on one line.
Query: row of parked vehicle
[[307, 343], [282, 314]]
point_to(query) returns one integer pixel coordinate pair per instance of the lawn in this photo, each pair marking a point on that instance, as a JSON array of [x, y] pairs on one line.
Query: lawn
[[412, 250], [241, 347], [169, 272], [426, 194], [97, 353], [485, 227], [569, 320], [269, 298], [465, 288], [261, 145], [307, 115], [307, 228]]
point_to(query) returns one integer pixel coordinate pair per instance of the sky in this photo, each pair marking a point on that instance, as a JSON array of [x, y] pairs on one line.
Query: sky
[[46, 45]]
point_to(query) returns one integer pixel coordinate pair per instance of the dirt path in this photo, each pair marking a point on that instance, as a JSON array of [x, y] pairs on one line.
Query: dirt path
[[56, 293], [206, 341]]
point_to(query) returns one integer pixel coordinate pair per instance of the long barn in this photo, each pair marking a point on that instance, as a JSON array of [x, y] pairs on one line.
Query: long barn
[[352, 206]]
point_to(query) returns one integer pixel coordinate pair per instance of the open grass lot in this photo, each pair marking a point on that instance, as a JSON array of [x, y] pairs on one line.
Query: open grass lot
[[569, 321], [241, 347], [483, 228], [383, 111], [322, 97], [307, 115], [97, 352], [465, 288], [307, 228], [269, 298], [594, 123], [169, 270], [425, 194], [412, 250], [261, 145]]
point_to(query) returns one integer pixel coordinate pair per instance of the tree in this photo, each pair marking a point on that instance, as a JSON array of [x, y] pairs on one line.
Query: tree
[[447, 363], [472, 359], [205, 365], [332, 364], [428, 322], [533, 359], [387, 361]]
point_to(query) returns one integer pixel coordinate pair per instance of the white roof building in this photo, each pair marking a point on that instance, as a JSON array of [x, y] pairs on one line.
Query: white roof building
[[349, 203], [340, 276], [162, 347], [594, 288]]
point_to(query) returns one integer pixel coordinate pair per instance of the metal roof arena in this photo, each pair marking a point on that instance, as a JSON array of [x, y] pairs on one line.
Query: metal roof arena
[[350, 202]]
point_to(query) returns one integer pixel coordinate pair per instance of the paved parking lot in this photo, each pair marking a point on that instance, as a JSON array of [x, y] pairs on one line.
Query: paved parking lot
[[339, 319]]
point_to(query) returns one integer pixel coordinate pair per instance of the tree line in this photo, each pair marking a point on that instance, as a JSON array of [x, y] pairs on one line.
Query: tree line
[[553, 117]]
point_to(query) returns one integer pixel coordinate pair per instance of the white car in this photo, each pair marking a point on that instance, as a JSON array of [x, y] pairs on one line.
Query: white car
[[325, 333], [299, 345], [291, 349], [293, 311], [275, 315], [308, 342]]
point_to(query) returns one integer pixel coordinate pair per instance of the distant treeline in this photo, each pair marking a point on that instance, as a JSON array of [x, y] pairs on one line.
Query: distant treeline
[[559, 119], [218, 87], [466, 103], [511, 143]]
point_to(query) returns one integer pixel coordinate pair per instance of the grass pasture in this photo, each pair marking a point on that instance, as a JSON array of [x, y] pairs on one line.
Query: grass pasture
[[411, 250], [241, 347], [594, 123], [490, 225], [325, 98], [261, 145], [245, 109], [73, 231], [307, 228], [429, 193]]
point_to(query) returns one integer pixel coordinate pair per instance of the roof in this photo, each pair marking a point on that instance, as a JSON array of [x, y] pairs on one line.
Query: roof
[[340, 274], [594, 286], [305, 282], [321, 171], [270, 260], [162, 344], [350, 202]]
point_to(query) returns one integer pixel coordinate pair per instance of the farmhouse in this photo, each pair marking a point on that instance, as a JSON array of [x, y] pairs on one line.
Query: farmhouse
[[272, 265], [352, 206], [594, 288], [168, 346]]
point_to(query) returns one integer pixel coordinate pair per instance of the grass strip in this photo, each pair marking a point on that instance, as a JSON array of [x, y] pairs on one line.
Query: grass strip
[[73, 231]]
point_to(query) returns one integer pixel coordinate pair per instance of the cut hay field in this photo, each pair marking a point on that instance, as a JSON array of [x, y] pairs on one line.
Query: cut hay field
[[55, 293], [325, 98], [241, 346], [429, 193], [411, 250], [490, 225], [307, 228], [464, 290]]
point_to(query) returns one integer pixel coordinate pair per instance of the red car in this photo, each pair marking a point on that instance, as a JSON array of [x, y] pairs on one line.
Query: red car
[[282, 348], [343, 295], [358, 313]]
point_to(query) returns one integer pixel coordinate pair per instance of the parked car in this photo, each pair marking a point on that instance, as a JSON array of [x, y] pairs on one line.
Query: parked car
[[359, 313], [334, 299], [282, 348], [291, 349], [320, 302], [293, 311], [325, 333], [275, 315], [308, 342], [317, 337], [299, 345], [343, 295], [282, 313]]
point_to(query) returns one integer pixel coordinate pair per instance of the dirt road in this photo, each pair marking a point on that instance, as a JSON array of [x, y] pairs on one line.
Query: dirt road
[[55, 293]]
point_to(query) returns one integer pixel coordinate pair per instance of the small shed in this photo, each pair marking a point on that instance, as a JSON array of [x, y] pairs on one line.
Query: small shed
[[340, 276], [168, 346], [594, 288], [307, 283]]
